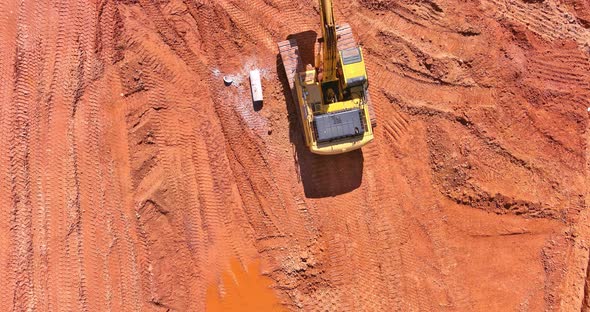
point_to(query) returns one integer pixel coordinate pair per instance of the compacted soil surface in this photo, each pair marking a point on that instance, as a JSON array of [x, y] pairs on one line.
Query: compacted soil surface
[[132, 178]]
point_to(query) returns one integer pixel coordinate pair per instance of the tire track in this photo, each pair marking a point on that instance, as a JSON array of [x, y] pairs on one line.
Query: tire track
[[422, 13], [300, 215], [8, 58], [38, 124], [210, 202], [92, 206], [124, 269], [182, 137], [170, 140], [19, 169], [225, 186], [258, 210], [105, 235], [76, 226], [544, 19], [130, 277], [288, 10], [171, 37], [129, 290], [358, 248], [339, 218], [59, 112], [395, 125], [123, 282], [74, 220], [185, 222], [252, 28], [565, 70], [385, 239], [85, 113], [192, 228], [401, 260], [585, 304]]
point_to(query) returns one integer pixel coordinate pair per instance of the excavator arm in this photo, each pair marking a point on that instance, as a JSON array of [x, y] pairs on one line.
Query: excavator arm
[[330, 44]]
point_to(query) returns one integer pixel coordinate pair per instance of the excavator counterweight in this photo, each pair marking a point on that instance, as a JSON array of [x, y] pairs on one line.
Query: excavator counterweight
[[332, 96]]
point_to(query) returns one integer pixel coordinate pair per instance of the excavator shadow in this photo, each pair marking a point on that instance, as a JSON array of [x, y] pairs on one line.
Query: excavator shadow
[[321, 176]]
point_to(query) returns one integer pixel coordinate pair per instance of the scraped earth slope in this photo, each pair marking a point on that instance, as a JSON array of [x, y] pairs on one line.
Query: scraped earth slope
[[132, 177]]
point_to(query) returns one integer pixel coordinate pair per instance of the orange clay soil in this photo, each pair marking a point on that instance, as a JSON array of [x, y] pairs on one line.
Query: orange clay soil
[[243, 290], [133, 179]]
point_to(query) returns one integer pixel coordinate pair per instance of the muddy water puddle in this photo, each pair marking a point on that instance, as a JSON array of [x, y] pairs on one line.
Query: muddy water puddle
[[243, 289]]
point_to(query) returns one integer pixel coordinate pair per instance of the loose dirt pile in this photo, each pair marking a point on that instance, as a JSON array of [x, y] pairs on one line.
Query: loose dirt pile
[[132, 178]]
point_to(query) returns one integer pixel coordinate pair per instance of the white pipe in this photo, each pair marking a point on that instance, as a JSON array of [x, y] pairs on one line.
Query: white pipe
[[256, 85]]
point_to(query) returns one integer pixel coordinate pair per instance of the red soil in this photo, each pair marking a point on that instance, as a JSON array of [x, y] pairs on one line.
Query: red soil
[[131, 177]]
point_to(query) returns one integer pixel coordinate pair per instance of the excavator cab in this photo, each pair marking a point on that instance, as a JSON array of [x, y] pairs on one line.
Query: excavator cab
[[353, 70], [330, 91]]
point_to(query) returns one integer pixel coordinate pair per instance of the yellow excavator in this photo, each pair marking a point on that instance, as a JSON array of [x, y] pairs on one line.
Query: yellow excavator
[[332, 96]]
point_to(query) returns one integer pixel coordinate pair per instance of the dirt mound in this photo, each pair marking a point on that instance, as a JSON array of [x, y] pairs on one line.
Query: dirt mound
[[133, 178]]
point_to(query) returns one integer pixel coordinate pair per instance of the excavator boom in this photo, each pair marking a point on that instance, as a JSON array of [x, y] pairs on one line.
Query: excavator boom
[[329, 47]]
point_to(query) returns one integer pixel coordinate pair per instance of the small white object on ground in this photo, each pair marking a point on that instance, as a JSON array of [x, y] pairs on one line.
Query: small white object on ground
[[256, 85], [228, 81]]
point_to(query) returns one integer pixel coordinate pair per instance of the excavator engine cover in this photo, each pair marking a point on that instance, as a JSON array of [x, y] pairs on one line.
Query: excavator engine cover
[[338, 125]]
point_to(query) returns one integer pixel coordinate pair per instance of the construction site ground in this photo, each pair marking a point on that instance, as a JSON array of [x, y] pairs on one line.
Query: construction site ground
[[133, 179]]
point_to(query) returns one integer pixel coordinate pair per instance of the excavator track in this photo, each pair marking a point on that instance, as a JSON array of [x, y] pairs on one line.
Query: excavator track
[[291, 62], [345, 38]]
